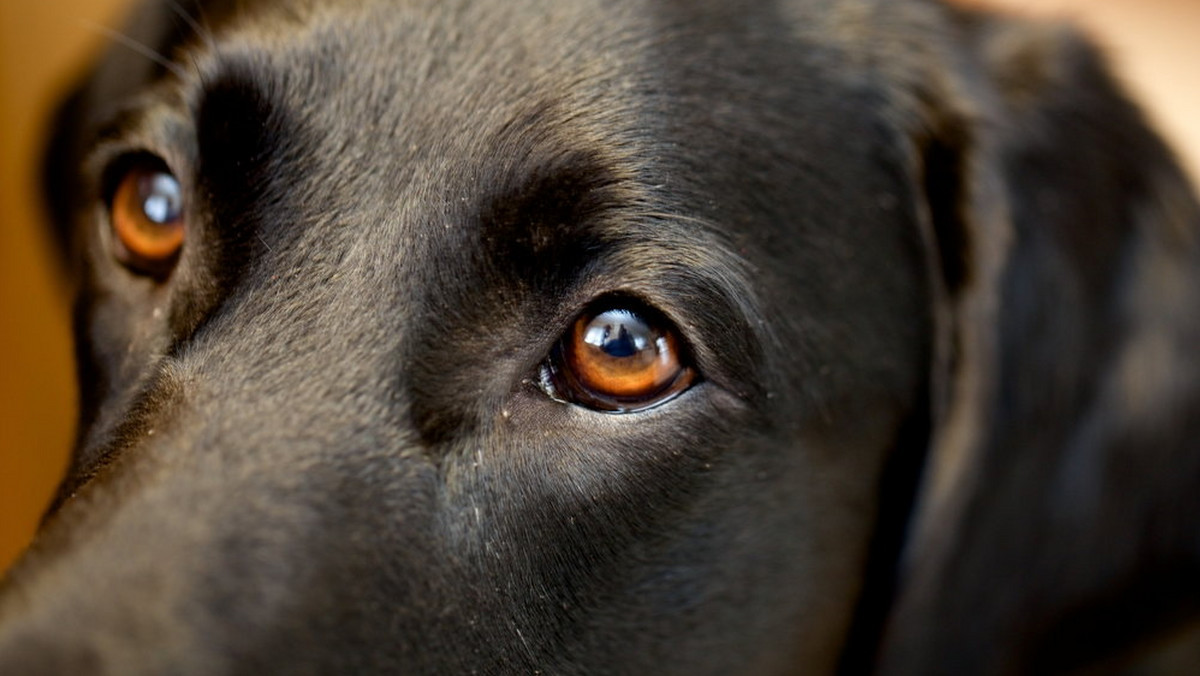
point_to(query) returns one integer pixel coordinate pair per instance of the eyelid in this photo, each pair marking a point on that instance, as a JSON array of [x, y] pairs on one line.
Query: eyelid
[[619, 355], [714, 307], [155, 123]]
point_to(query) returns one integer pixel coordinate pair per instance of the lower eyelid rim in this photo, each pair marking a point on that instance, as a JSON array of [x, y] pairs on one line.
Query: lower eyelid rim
[[697, 384]]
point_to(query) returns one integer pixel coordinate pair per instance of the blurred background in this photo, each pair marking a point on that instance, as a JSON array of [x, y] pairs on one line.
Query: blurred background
[[1154, 44]]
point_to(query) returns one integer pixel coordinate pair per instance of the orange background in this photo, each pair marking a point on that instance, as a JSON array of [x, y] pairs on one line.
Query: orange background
[[42, 44]]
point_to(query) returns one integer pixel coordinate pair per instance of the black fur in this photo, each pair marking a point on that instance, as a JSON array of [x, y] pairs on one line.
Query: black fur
[[941, 285]]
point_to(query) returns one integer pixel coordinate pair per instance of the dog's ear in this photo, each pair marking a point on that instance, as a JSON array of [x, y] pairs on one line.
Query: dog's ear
[[1057, 526]]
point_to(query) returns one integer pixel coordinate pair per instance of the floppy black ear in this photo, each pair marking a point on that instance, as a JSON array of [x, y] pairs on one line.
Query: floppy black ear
[[1058, 522]]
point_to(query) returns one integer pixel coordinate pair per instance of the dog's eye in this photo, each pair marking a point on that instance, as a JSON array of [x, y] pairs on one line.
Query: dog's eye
[[146, 213], [618, 359]]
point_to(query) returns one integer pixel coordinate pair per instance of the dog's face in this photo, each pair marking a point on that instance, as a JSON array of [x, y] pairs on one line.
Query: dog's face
[[511, 337]]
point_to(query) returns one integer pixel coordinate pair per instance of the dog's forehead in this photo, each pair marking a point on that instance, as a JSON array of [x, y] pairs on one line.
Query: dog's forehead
[[415, 79], [401, 87], [427, 113], [418, 112]]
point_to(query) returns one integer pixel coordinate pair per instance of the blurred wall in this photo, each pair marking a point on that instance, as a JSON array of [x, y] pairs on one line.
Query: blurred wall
[[41, 47]]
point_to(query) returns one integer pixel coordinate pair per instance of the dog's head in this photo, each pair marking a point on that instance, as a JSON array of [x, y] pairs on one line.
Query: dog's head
[[580, 337]]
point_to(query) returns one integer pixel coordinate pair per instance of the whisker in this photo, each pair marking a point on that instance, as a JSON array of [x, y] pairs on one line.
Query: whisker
[[134, 45], [200, 29]]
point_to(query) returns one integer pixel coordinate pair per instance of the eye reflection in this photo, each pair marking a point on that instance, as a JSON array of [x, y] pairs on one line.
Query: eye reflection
[[624, 344], [162, 199]]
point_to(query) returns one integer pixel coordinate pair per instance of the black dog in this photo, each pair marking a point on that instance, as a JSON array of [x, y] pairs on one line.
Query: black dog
[[565, 337]]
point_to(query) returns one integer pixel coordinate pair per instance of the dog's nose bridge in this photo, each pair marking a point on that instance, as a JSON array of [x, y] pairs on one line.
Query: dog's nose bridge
[[299, 343], [200, 544]]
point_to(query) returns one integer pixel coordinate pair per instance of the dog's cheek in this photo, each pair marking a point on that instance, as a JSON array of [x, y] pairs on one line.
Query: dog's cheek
[[627, 530], [121, 324], [786, 585]]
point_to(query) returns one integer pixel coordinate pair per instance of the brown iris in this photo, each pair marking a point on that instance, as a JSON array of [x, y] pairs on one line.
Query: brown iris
[[146, 213], [620, 360]]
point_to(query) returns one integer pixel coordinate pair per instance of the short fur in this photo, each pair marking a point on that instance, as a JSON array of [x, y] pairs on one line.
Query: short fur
[[941, 283]]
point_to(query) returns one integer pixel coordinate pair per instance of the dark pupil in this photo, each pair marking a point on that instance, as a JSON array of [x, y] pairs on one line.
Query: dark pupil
[[161, 198], [619, 333]]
